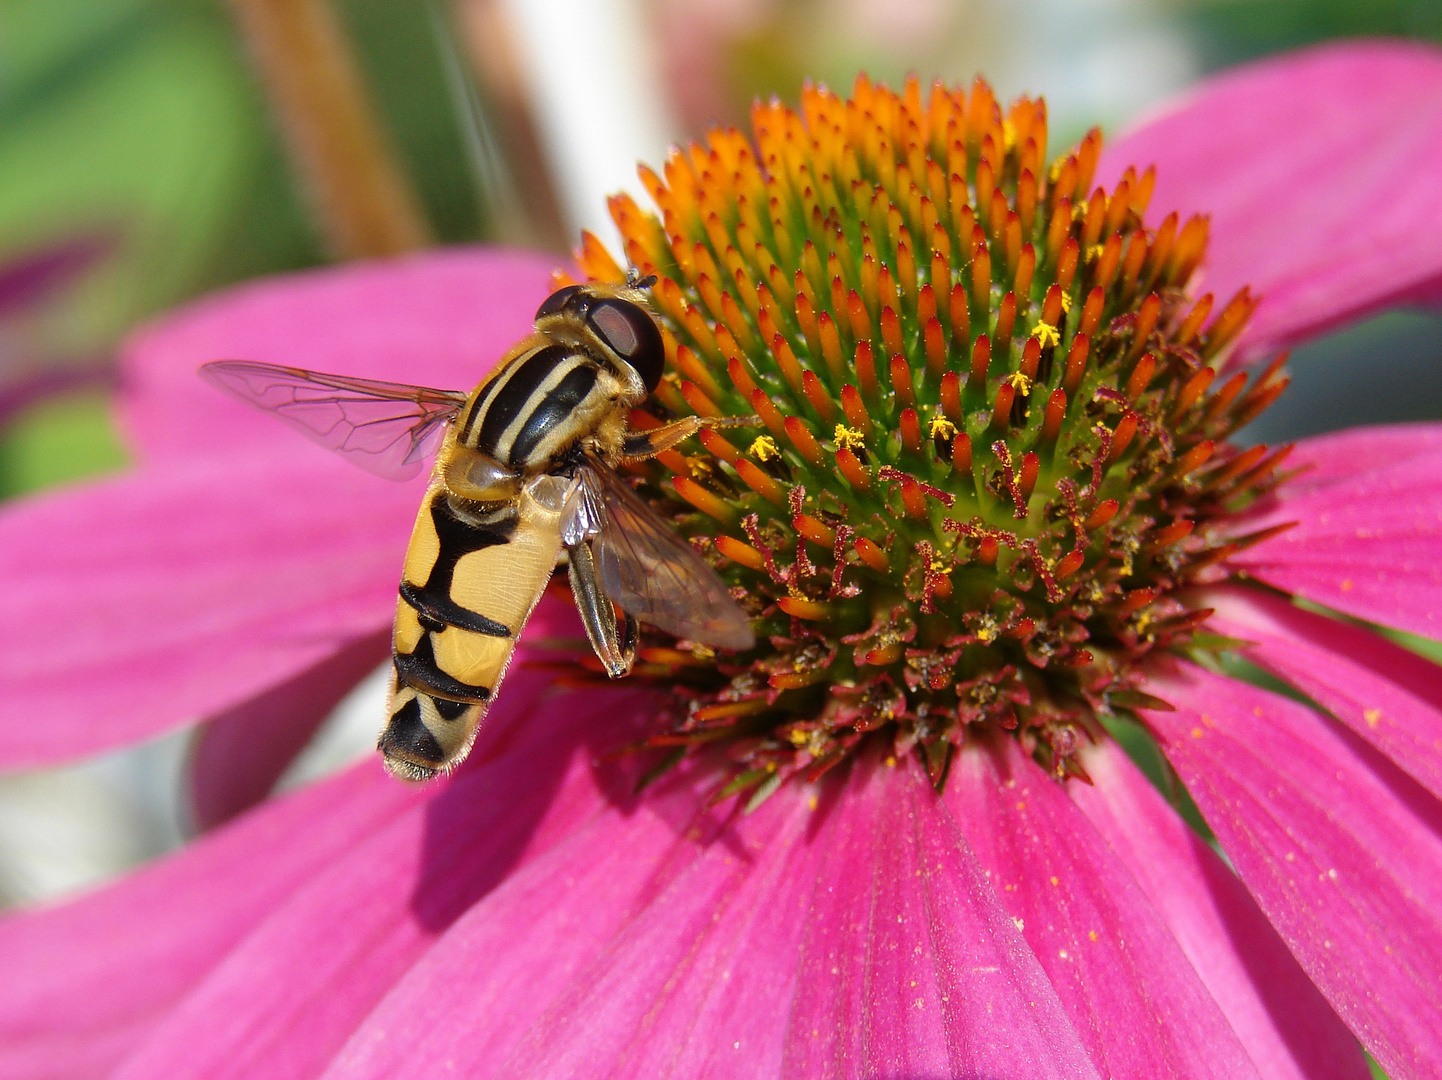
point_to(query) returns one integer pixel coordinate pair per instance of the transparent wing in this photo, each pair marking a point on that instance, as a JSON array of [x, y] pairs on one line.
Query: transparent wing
[[385, 428], [650, 571]]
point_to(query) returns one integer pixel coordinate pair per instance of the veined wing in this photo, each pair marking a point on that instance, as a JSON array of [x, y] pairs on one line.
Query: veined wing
[[384, 427], [649, 570]]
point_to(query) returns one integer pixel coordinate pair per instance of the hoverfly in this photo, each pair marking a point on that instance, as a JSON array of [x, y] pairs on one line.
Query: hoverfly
[[525, 470]]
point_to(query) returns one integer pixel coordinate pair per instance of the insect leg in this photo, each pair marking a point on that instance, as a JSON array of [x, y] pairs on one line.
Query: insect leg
[[630, 632], [616, 646], [638, 445]]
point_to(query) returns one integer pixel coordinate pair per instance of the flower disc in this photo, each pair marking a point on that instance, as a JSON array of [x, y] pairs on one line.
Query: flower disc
[[987, 454]]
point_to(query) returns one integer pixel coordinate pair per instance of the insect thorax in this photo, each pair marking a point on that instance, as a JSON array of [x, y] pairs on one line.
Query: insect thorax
[[545, 401]]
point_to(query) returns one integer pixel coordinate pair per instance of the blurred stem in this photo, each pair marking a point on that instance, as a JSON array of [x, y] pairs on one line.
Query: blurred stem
[[358, 191], [490, 39]]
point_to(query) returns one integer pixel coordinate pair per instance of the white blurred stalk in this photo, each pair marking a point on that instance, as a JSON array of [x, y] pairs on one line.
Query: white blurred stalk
[[591, 73], [67, 828]]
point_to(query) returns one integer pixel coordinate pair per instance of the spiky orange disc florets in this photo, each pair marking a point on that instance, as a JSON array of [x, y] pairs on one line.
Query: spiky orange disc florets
[[989, 453]]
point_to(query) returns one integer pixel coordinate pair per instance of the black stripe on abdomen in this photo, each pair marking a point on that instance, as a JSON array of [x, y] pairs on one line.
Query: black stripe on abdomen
[[408, 736], [457, 538], [419, 670], [440, 611]]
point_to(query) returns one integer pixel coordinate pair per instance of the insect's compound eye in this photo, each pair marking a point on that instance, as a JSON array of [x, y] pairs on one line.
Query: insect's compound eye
[[556, 301], [633, 334]]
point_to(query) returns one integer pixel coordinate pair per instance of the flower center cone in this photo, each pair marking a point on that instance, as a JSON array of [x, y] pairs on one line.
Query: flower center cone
[[989, 456]]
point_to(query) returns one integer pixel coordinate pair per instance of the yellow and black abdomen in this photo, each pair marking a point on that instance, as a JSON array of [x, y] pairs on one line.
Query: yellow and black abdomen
[[473, 573]]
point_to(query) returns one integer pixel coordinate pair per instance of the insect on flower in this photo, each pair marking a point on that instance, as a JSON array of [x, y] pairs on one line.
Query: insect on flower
[[526, 468]]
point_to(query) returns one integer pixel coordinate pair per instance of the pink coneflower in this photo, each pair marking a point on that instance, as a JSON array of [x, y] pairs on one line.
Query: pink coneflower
[[990, 520]]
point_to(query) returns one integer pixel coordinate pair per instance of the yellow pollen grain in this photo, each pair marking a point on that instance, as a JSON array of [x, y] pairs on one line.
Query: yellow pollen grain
[[1019, 382], [1046, 333], [1078, 211], [848, 438], [1130, 546], [1008, 134], [1372, 716], [941, 427], [764, 448], [1065, 303], [1347, 585], [1094, 252], [812, 802]]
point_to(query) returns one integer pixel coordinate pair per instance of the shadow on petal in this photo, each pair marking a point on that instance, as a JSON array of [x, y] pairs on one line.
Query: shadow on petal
[[236, 757]]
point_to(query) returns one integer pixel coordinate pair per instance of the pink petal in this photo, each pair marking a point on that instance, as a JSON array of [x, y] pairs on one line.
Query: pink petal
[[1340, 456], [1130, 992], [1368, 543], [899, 876], [84, 982], [1289, 1030], [1387, 695], [214, 582], [1321, 171], [852, 936], [236, 758], [438, 319], [1339, 849], [291, 992]]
